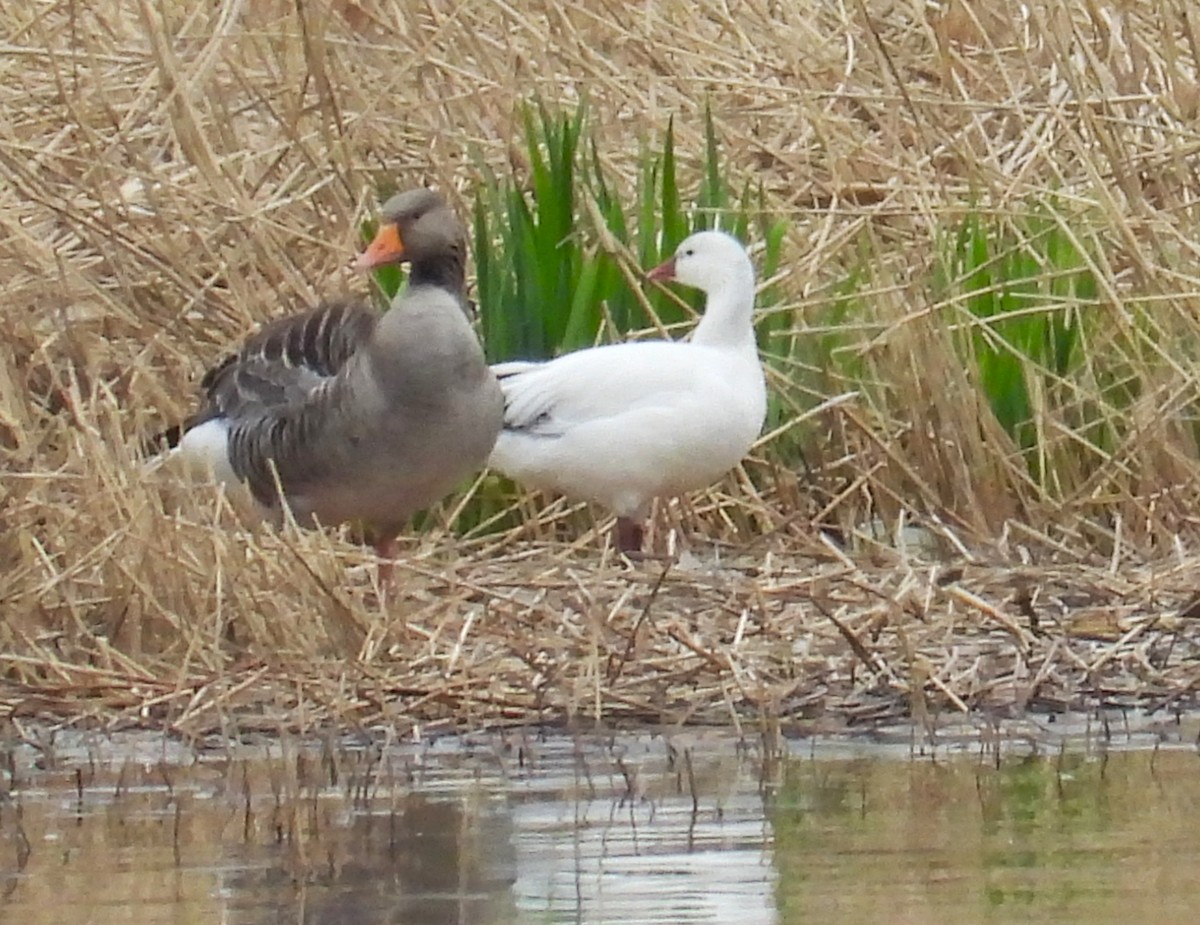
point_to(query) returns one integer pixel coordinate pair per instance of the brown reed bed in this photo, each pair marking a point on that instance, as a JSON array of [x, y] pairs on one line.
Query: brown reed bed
[[177, 174], [202, 627]]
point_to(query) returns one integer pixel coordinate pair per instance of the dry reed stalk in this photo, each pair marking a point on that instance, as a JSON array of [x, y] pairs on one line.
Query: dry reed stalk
[[177, 174]]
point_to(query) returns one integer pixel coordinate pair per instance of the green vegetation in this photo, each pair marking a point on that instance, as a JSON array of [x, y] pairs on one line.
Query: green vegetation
[[558, 260], [560, 257], [1029, 291], [559, 263]]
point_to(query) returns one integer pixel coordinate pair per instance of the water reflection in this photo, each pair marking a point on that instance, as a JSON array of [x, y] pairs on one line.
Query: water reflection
[[421, 861], [1060, 839], [655, 853], [585, 830]]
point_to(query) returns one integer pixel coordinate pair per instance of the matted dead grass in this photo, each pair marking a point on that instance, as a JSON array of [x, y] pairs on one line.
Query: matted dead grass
[[287, 631], [177, 173]]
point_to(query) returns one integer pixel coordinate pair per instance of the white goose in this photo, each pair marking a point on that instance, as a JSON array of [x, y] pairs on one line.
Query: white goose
[[623, 424]]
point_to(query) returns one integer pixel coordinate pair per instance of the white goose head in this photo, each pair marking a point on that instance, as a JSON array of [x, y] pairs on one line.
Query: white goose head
[[717, 264], [707, 260]]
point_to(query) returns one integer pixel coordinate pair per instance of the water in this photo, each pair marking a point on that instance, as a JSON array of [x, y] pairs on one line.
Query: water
[[525, 829]]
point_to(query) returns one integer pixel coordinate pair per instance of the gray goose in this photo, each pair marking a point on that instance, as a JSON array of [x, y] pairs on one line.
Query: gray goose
[[350, 415]]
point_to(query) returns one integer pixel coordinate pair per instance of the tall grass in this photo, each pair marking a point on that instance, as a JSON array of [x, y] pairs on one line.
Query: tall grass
[[529, 275], [559, 257], [1031, 297], [560, 245]]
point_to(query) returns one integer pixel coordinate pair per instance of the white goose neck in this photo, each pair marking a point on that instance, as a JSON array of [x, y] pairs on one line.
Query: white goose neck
[[729, 312]]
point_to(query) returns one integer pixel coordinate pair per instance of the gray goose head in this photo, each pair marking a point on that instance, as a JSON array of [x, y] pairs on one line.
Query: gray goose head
[[418, 227]]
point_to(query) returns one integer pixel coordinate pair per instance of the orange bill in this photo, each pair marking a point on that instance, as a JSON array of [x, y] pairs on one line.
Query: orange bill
[[386, 248], [664, 270]]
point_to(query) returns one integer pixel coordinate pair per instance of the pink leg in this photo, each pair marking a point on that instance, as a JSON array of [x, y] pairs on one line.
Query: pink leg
[[385, 548], [629, 535]]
